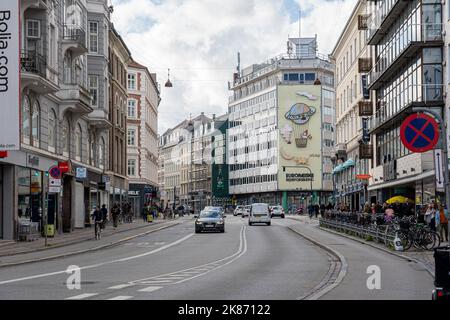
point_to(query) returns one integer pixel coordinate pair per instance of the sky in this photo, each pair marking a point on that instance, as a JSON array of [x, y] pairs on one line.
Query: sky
[[199, 40]]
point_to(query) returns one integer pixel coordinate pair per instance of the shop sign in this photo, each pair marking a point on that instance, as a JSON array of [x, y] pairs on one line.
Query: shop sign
[[81, 173], [33, 160], [363, 176], [299, 177], [64, 166], [10, 75], [133, 193], [439, 170]]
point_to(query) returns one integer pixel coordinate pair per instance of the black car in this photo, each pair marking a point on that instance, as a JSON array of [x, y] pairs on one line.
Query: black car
[[210, 221]]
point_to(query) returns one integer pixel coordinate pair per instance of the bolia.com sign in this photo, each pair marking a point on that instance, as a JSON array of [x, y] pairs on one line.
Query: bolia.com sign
[[9, 75], [297, 177]]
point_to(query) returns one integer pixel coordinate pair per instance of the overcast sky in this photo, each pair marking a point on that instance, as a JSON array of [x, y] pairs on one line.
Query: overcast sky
[[199, 40]]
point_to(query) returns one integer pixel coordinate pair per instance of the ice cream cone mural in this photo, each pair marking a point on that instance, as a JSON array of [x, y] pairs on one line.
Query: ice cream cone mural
[[286, 133]]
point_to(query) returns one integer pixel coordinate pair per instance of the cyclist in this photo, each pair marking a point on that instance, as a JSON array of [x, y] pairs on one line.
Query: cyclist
[[98, 219]]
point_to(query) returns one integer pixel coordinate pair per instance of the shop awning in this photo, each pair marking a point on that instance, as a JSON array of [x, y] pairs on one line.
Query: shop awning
[[338, 168], [349, 163]]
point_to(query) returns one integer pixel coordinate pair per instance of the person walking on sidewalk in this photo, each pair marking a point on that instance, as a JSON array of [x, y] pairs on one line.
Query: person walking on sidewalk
[[430, 217], [98, 219], [442, 222], [115, 214], [104, 212]]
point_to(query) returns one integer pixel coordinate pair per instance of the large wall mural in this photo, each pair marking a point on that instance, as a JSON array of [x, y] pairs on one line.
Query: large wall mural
[[300, 137]]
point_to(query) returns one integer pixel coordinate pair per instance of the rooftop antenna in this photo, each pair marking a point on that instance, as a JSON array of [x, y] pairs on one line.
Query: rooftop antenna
[[299, 21], [168, 83]]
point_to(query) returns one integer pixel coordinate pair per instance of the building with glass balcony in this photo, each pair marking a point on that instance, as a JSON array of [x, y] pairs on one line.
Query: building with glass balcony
[[406, 40], [278, 155]]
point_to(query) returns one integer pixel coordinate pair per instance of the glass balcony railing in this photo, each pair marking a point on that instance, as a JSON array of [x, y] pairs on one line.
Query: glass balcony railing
[[390, 107], [380, 13], [401, 41]]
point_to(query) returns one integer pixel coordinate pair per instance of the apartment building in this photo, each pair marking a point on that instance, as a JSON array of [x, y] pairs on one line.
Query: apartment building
[[61, 123], [407, 45], [186, 151], [119, 57], [142, 135], [281, 128], [354, 105]]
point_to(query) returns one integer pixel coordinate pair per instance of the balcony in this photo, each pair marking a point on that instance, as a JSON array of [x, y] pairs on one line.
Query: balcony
[[341, 151], [365, 108], [411, 40], [98, 119], [34, 73], [364, 65], [74, 39], [430, 95], [382, 19], [74, 95]]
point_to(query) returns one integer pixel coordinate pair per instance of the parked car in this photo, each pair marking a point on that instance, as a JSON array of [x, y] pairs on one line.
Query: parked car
[[210, 220], [277, 211], [259, 213], [238, 210]]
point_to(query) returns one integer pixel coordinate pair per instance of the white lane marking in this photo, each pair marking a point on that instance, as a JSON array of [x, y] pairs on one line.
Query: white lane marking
[[121, 298], [150, 289], [120, 286], [206, 268], [82, 296], [102, 263], [154, 282]]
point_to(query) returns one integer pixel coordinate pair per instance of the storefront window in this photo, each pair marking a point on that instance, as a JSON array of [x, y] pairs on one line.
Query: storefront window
[[30, 194]]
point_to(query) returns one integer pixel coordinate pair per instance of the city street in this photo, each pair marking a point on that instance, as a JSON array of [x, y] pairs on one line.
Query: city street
[[246, 262]]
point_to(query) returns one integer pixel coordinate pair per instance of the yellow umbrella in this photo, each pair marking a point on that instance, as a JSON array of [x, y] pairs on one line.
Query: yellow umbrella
[[398, 199]]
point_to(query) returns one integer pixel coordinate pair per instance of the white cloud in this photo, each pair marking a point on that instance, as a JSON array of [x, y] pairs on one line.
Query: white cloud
[[199, 39]]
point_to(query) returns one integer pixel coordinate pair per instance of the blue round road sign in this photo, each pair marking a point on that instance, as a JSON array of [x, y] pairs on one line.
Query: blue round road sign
[[419, 132]]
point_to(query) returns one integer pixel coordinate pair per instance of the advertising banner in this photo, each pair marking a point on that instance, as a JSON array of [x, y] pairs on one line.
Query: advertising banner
[[300, 137], [9, 75]]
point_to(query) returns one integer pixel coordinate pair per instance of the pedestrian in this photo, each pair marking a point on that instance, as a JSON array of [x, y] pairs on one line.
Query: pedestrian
[[104, 212], [115, 211], [430, 217], [442, 222], [310, 211], [316, 210]]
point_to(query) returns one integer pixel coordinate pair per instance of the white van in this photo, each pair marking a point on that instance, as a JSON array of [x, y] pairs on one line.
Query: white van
[[259, 213]]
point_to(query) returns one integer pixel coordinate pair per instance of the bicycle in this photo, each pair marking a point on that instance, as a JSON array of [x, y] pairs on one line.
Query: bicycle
[[98, 229]]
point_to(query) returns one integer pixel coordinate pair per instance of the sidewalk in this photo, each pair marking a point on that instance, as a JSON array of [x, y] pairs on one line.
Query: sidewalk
[[424, 257], [9, 248]]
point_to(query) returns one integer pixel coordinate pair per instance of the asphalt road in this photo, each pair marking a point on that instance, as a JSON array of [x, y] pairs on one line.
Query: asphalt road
[[245, 262]]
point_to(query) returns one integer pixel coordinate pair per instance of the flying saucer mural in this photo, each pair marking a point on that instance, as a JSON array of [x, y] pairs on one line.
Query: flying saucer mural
[[300, 113]]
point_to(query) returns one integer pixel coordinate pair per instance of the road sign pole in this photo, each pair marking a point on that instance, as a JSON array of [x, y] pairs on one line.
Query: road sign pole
[[443, 145]]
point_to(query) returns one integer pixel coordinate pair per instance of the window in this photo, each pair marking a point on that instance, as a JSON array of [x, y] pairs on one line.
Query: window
[[65, 136], [310, 76], [131, 81], [26, 118], [293, 76], [78, 142], [33, 28], [131, 137], [35, 123], [101, 152], [52, 130], [93, 89], [93, 37], [131, 167], [131, 108]]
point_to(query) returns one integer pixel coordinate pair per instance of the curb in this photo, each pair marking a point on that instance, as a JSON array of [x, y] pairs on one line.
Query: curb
[[409, 259], [338, 255], [112, 244], [70, 242]]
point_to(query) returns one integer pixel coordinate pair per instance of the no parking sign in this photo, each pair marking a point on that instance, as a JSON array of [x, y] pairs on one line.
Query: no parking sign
[[419, 132]]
